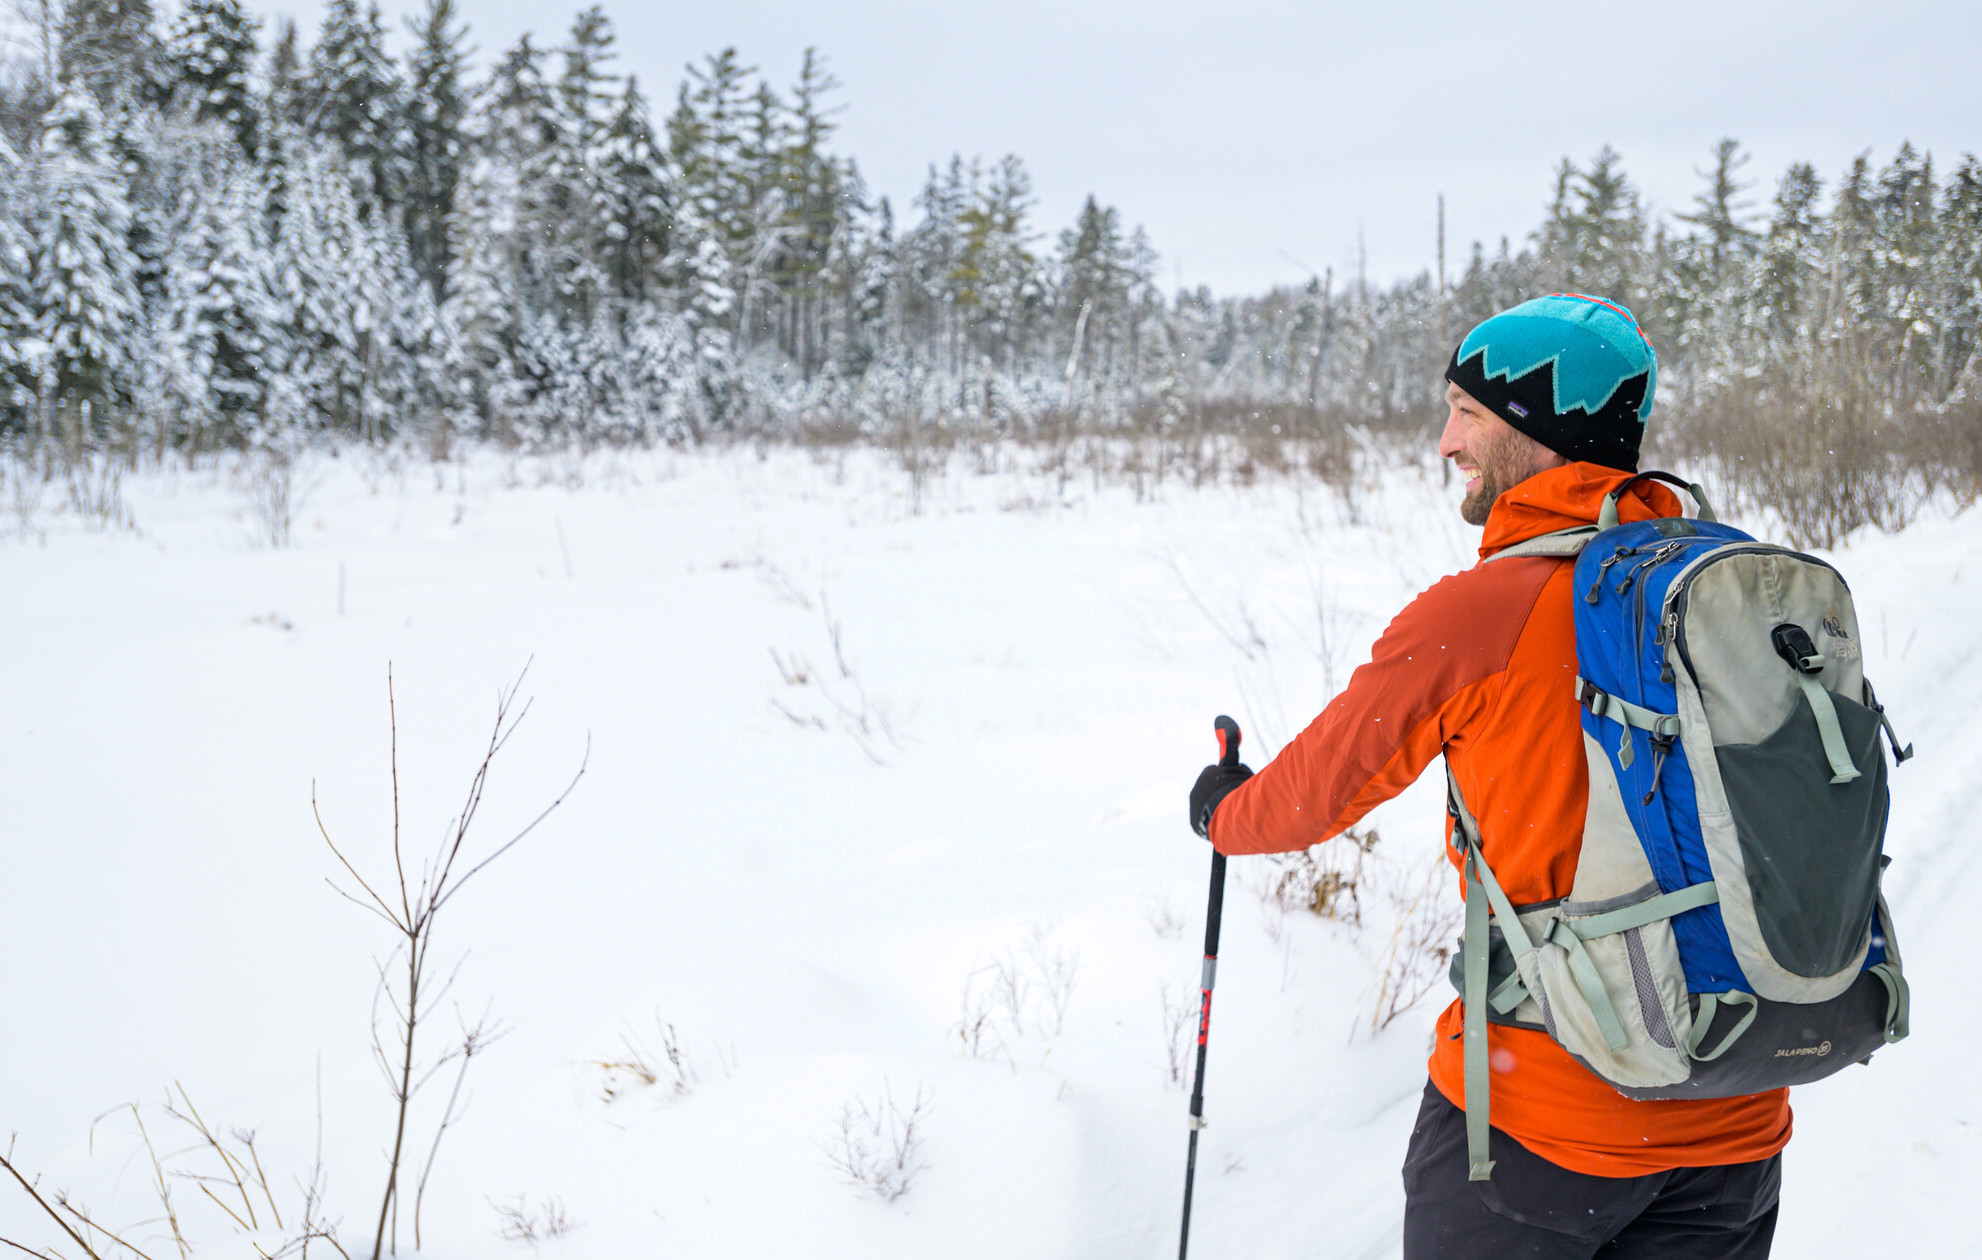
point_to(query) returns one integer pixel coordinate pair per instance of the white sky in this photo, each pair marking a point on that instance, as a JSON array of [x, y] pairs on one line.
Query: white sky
[[1243, 133]]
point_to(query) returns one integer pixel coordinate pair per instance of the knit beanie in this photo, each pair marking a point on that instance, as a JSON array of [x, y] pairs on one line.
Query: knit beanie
[[1572, 372]]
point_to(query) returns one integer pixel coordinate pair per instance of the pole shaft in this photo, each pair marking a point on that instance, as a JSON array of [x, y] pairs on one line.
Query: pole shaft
[[1228, 755], [1214, 911]]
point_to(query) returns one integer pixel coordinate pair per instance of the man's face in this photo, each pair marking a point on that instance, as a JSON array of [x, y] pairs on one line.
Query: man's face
[[1490, 453]]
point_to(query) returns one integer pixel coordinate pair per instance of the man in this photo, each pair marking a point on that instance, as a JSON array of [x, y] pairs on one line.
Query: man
[[1547, 405]]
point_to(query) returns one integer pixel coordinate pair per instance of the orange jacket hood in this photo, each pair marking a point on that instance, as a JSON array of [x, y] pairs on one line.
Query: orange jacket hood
[[1566, 496]]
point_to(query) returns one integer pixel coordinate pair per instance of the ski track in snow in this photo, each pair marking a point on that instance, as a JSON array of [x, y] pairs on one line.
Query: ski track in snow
[[845, 758]]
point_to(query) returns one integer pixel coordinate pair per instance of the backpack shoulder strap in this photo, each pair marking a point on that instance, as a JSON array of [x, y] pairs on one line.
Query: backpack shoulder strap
[[1562, 543]]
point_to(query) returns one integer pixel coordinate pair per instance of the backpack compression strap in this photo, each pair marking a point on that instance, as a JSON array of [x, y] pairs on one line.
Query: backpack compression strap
[[1482, 889]]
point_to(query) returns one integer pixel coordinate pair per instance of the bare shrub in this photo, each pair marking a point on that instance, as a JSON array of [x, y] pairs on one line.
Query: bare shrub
[[976, 1029], [638, 1064], [1054, 970], [1821, 436], [1413, 961], [270, 493], [1017, 995], [1177, 1012], [1163, 918], [1325, 880], [233, 1193], [518, 1222], [835, 697], [96, 492], [25, 484], [878, 1148]]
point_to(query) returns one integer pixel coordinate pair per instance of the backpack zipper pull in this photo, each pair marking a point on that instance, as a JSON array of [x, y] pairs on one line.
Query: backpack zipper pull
[[1652, 561], [1597, 586], [1661, 748], [1667, 637]]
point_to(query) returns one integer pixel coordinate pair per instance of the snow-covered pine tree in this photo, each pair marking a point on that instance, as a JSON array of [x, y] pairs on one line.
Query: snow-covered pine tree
[[867, 283], [483, 310], [1096, 278], [219, 312], [518, 117], [111, 46], [1720, 212], [1609, 232], [489, 292], [322, 258], [1790, 278], [81, 268], [19, 338], [586, 90], [930, 254], [437, 149], [1854, 264], [283, 100], [1961, 277], [411, 354], [351, 95], [815, 211], [211, 56], [714, 223], [635, 207], [1558, 238], [566, 208], [1000, 288], [706, 142], [1908, 242]]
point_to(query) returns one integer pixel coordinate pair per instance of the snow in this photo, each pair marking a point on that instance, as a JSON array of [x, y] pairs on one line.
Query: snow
[[800, 879]]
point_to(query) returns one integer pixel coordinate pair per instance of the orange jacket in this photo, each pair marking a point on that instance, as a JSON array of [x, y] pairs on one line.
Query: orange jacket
[[1479, 668]]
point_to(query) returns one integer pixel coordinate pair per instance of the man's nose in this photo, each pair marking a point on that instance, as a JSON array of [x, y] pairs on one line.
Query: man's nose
[[1449, 442]]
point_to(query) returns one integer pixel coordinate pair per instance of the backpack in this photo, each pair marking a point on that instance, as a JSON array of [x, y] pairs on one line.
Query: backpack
[[1725, 933]]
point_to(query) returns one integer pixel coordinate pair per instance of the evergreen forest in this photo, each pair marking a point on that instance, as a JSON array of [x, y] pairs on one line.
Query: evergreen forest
[[215, 239]]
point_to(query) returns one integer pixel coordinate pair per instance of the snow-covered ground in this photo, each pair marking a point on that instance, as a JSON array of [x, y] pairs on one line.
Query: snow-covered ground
[[854, 769]]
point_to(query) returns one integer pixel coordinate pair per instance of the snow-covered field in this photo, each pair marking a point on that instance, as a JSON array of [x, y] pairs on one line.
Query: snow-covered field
[[858, 775]]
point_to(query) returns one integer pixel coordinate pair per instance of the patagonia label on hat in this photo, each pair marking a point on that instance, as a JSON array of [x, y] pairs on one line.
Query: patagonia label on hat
[[1517, 409]]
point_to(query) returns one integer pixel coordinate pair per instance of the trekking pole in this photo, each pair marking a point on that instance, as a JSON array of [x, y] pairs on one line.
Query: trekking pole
[[1228, 755]]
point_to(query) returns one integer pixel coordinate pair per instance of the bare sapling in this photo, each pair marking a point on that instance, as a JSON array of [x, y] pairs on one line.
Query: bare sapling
[[410, 905], [473, 1041]]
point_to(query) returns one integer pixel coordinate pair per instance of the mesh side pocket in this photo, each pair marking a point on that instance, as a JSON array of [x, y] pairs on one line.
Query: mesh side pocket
[[1809, 847], [1656, 1026]]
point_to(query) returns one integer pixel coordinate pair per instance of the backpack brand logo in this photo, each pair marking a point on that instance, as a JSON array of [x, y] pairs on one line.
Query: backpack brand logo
[[1821, 1049], [1841, 645]]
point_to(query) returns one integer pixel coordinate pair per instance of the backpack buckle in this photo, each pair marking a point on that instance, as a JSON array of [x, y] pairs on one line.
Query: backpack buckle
[[1792, 644]]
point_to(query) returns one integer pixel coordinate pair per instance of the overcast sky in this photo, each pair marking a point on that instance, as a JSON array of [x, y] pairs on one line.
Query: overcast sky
[[1251, 134]]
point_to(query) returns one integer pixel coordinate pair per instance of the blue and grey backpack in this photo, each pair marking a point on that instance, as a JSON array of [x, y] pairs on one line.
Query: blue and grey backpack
[[1725, 933]]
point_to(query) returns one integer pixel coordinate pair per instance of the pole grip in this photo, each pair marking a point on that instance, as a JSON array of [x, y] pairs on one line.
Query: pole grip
[[1228, 740]]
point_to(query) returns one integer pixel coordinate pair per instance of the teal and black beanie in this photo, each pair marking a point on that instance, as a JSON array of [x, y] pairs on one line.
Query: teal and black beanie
[[1572, 372]]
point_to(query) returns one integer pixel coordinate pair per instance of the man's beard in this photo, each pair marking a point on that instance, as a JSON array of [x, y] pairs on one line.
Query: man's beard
[[1504, 460]]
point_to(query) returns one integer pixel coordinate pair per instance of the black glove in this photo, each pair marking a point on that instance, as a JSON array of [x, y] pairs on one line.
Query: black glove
[[1214, 785]]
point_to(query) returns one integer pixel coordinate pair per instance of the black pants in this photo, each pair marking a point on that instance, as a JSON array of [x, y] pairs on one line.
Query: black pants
[[1531, 1208]]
